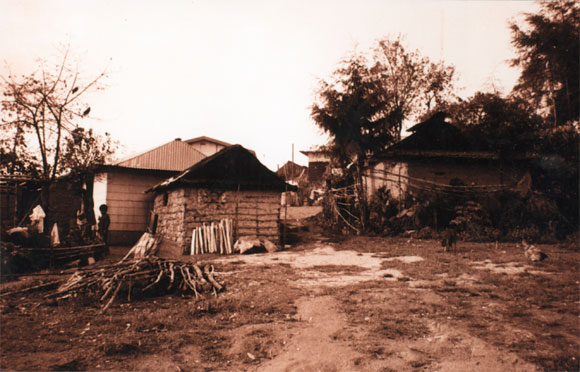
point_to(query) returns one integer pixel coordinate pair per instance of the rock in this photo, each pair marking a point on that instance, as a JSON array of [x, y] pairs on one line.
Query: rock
[[246, 244], [270, 247], [253, 244]]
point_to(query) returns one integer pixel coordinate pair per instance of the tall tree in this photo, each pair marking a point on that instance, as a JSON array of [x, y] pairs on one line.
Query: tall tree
[[350, 108], [412, 83], [548, 53], [40, 112], [83, 152]]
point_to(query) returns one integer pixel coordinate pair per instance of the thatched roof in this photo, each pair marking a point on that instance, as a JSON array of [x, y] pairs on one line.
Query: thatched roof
[[231, 168], [435, 138], [433, 134]]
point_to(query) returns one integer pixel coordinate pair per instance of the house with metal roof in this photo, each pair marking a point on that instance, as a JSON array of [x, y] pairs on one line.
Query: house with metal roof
[[122, 186], [207, 145]]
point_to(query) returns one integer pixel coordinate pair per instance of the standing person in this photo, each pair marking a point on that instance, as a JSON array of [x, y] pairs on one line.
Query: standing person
[[104, 222]]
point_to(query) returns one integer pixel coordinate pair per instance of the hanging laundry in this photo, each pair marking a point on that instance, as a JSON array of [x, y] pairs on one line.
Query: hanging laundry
[[37, 219], [54, 237]]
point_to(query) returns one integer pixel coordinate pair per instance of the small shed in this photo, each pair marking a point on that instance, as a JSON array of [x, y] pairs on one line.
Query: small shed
[[231, 184]]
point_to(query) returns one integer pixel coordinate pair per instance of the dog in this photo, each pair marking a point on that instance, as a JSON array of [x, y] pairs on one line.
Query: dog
[[449, 240], [532, 253]]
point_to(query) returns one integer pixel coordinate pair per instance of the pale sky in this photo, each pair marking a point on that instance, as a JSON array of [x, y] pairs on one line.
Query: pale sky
[[242, 71]]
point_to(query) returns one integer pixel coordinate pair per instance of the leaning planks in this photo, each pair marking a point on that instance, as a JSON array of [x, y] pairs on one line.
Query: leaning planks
[[213, 238]]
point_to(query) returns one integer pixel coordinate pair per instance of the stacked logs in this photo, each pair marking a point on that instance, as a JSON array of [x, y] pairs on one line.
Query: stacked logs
[[213, 238], [148, 274]]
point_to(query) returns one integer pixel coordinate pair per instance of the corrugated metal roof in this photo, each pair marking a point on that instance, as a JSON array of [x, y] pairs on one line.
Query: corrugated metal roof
[[175, 155]]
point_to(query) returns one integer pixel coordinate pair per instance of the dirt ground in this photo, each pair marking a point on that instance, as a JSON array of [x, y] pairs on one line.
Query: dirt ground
[[325, 304]]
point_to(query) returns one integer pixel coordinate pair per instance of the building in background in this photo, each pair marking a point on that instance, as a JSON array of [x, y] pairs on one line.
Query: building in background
[[122, 187], [438, 155], [206, 145], [318, 162], [292, 172]]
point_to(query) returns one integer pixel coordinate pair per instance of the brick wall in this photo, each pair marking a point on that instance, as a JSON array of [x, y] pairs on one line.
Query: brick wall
[[252, 213]]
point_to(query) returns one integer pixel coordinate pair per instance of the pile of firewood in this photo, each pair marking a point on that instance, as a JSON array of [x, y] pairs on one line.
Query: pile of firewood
[[150, 274]]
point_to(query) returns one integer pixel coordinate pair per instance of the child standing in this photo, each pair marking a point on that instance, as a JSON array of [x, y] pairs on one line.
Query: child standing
[[103, 228]]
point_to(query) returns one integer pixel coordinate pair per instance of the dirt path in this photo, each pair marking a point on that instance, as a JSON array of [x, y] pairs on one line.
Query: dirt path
[[318, 342], [312, 348]]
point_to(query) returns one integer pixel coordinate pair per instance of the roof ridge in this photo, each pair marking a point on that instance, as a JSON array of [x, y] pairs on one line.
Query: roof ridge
[[206, 138]]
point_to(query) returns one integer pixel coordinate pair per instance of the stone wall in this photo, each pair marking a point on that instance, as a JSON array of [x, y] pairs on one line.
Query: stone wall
[[170, 209], [251, 212]]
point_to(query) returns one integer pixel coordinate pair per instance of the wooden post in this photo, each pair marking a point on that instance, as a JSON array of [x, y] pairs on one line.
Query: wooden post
[[257, 218], [15, 216], [400, 191], [285, 217], [237, 229]]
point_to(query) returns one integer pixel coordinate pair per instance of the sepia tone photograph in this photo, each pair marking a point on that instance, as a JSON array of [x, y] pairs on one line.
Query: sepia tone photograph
[[293, 186]]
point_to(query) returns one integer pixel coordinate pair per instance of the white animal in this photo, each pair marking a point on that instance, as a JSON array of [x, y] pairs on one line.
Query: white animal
[[532, 253]]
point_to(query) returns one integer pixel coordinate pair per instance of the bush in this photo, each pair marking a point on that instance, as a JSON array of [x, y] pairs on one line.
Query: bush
[[505, 215]]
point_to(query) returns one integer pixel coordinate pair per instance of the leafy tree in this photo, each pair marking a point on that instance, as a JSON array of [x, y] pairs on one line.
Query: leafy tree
[[548, 53], [40, 136], [351, 109], [412, 83], [363, 106], [495, 123], [83, 152], [365, 102]]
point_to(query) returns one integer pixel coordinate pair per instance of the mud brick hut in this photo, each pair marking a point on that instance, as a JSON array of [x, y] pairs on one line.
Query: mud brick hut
[[437, 153], [230, 184]]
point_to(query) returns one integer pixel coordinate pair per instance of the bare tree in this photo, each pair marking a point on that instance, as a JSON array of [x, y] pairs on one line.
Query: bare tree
[[40, 112]]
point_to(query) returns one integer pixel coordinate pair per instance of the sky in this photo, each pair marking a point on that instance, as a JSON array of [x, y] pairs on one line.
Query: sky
[[244, 72]]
